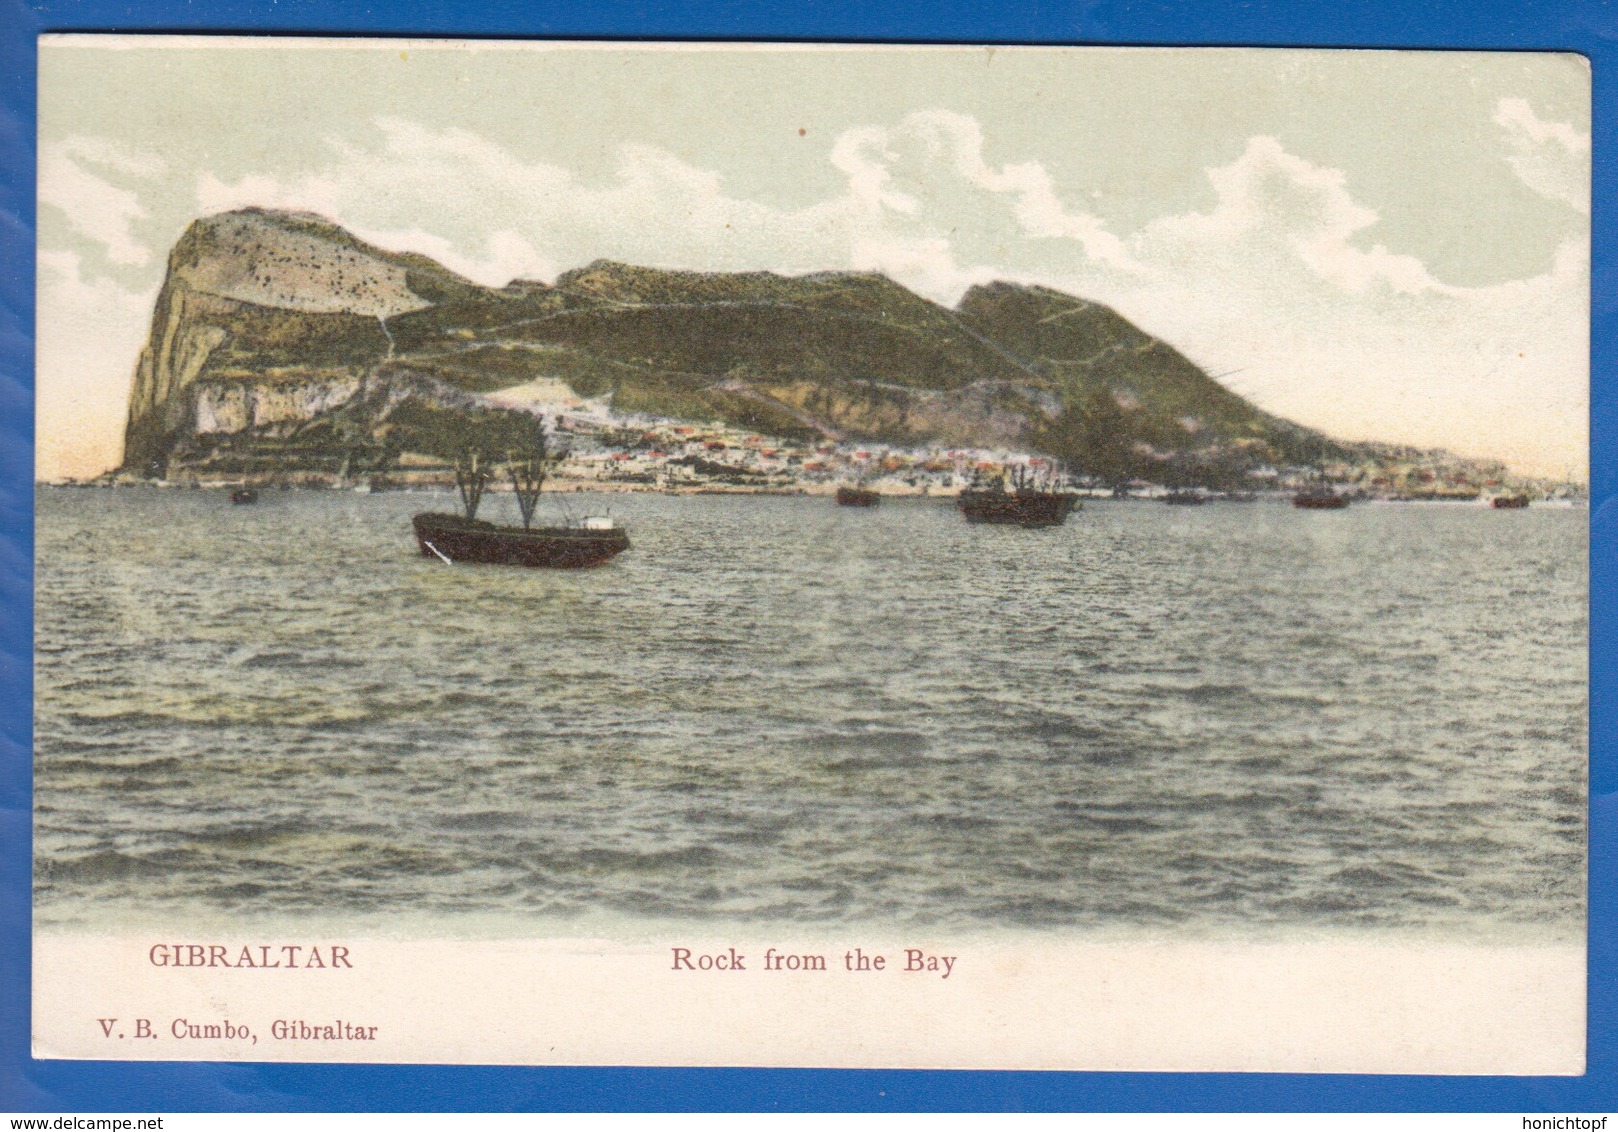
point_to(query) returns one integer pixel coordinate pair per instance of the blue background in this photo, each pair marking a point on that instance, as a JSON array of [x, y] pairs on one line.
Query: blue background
[[27, 1085]]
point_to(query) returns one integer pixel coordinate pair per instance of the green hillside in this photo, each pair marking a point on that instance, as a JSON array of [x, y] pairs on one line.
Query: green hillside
[[278, 329]]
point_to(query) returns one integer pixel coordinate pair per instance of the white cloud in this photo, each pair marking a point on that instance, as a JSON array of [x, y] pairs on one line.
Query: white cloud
[[1275, 211], [863, 157], [1274, 282], [911, 188], [468, 202], [113, 155], [958, 139], [1552, 158], [89, 334], [1280, 278], [503, 256], [311, 194], [926, 265], [447, 192], [94, 206]]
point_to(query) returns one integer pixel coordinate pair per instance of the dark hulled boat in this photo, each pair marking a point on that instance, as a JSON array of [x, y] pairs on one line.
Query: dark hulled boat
[[1317, 493], [459, 539], [1509, 502], [243, 495], [1016, 508], [1032, 500], [1185, 498], [857, 497], [1319, 498], [466, 538]]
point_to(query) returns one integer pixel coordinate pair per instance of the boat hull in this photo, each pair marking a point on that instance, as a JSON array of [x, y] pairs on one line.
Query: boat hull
[[470, 540], [1019, 509], [857, 497], [1320, 502], [1509, 502]]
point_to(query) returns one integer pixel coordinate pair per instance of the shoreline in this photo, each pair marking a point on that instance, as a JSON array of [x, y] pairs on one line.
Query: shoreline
[[821, 490]]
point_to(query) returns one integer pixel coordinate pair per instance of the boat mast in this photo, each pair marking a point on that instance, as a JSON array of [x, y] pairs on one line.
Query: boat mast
[[527, 478], [471, 479], [528, 472]]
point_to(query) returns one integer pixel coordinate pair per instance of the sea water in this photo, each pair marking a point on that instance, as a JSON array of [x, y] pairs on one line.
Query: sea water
[[1235, 718]]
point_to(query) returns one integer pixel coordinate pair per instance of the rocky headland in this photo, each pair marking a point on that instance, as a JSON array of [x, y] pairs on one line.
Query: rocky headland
[[284, 347]]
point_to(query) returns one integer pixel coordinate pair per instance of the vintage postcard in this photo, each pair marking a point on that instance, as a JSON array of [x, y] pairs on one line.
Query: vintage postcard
[[811, 555]]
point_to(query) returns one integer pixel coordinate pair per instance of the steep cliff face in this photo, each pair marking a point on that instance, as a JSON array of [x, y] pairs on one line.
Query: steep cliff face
[[283, 338], [259, 299], [226, 407], [184, 334]]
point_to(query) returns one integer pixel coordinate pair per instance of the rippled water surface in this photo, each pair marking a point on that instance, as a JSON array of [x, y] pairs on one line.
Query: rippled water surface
[[771, 709]]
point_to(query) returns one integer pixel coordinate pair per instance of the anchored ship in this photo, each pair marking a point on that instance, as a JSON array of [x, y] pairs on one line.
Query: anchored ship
[[1319, 497], [466, 538], [1026, 503], [1185, 498]]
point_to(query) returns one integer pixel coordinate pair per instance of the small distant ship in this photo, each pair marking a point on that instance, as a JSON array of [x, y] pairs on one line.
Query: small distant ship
[[1319, 497], [857, 497], [1509, 502], [1025, 504], [466, 538], [243, 495], [1185, 498]]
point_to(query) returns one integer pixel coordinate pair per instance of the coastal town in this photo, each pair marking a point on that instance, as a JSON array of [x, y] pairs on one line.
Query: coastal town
[[605, 452], [663, 380]]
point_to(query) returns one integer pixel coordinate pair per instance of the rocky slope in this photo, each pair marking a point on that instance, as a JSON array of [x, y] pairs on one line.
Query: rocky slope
[[281, 340]]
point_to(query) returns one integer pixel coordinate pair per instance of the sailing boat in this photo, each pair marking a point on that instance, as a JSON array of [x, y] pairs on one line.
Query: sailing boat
[[859, 493], [1029, 503], [1318, 494], [466, 538]]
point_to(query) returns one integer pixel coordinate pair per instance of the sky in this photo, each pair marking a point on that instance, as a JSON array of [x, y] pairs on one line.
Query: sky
[[1387, 245]]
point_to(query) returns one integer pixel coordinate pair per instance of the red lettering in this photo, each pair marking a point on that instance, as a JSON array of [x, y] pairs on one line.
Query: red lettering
[[730, 960]]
